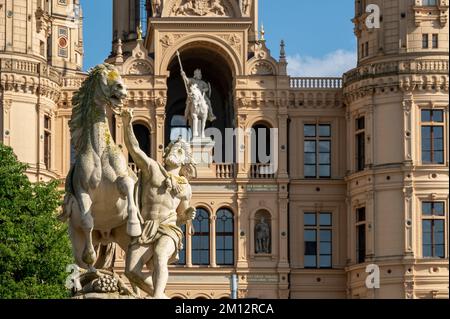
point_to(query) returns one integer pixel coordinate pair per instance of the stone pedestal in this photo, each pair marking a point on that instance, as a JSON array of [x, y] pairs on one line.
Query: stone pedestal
[[202, 152]]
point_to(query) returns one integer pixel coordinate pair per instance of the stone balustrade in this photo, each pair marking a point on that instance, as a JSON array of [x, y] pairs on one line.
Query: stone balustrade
[[315, 83]]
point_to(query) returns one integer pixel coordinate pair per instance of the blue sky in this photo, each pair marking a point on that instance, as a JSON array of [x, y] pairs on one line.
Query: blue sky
[[319, 38]]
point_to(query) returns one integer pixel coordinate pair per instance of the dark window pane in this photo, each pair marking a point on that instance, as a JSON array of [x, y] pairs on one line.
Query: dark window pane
[[360, 123], [325, 235], [324, 146], [220, 259], [439, 209], [324, 171], [229, 260], [310, 261], [438, 132], [426, 157], [439, 157], [310, 158], [426, 132], [310, 248], [310, 131], [438, 144], [438, 116], [310, 146], [361, 214], [427, 251], [325, 261], [439, 251], [324, 158], [310, 171], [427, 208], [325, 219], [229, 242], [426, 116], [220, 242], [310, 236], [325, 248], [324, 130], [310, 219], [426, 144]]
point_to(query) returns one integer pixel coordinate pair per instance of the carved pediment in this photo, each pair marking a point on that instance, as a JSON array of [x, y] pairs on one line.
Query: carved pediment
[[140, 67], [262, 68], [202, 8]]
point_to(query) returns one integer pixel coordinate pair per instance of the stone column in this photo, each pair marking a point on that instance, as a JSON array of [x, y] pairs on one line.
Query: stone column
[[241, 245], [212, 252], [282, 145]]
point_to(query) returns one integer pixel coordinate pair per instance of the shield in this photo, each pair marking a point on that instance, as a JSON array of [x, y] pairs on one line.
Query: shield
[[202, 7]]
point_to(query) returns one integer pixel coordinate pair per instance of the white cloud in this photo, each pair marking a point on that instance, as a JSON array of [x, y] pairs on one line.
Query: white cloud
[[333, 64]]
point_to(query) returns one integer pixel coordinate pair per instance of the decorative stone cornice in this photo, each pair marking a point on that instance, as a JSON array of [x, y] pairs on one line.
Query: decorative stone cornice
[[381, 69], [431, 13], [30, 77]]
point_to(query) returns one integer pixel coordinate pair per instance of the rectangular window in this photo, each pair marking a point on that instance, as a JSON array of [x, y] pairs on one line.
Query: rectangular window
[[317, 151], [433, 229], [361, 235], [432, 136], [435, 41], [424, 41], [427, 3], [47, 141], [318, 240], [366, 53], [360, 144]]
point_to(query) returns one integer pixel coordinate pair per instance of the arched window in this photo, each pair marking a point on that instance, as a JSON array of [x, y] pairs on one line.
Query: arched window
[[179, 127], [200, 240], [224, 238], [142, 134], [182, 253]]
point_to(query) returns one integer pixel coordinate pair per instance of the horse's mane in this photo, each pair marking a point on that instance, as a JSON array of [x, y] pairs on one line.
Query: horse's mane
[[82, 106]]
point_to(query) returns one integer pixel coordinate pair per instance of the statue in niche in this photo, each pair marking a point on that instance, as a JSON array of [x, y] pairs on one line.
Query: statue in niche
[[156, 8], [262, 237], [198, 104]]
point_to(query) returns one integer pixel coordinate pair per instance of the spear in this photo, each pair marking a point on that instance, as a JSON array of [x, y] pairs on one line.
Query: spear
[[182, 71]]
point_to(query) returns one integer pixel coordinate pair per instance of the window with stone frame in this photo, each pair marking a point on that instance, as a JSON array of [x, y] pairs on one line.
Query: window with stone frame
[[318, 240], [317, 151], [432, 130], [433, 229]]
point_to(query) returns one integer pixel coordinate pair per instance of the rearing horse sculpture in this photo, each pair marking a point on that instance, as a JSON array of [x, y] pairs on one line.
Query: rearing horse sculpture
[[99, 200]]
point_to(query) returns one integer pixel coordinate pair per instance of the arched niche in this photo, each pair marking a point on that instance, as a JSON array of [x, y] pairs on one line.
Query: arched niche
[[142, 133], [262, 233], [217, 71]]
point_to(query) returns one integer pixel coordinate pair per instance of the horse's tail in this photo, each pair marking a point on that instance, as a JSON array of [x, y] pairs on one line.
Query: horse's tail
[[69, 198]]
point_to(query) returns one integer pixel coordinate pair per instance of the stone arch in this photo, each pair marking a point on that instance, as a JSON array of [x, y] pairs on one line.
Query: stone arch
[[208, 42], [261, 120]]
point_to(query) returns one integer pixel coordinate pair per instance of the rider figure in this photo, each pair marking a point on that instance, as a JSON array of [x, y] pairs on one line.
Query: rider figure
[[204, 87]]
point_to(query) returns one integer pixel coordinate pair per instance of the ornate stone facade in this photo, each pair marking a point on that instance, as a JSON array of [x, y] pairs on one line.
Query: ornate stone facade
[[367, 199]]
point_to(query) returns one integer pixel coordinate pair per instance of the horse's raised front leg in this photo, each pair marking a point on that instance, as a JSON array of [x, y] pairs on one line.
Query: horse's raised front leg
[[126, 188], [87, 224]]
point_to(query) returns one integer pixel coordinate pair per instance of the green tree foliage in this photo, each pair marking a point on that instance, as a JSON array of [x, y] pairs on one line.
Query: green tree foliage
[[34, 245]]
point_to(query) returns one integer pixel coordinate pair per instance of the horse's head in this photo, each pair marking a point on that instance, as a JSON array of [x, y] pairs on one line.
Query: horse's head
[[112, 86], [103, 87]]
